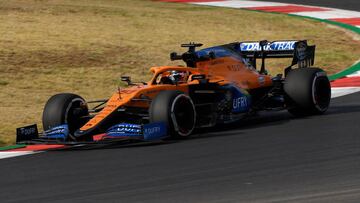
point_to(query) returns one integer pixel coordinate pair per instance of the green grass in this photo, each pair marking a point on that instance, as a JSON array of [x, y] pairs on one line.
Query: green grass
[[84, 46]]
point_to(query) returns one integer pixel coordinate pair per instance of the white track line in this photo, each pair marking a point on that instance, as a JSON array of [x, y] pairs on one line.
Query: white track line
[[7, 154], [355, 74], [334, 13], [240, 4], [327, 14], [342, 91]]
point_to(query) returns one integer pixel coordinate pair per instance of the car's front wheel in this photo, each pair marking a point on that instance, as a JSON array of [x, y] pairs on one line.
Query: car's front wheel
[[176, 110], [65, 108]]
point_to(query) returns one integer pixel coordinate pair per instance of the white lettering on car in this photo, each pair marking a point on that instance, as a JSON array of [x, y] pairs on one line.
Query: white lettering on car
[[239, 102], [153, 130], [27, 131]]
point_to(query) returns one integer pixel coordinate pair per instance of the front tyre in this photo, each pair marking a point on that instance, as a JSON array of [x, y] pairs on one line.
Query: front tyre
[[308, 91], [65, 108], [176, 110]]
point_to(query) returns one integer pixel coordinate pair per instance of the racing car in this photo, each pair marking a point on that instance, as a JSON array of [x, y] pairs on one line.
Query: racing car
[[219, 85]]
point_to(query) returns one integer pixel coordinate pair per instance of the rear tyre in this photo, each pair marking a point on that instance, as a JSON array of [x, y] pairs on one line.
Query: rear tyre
[[65, 108], [308, 91], [176, 110]]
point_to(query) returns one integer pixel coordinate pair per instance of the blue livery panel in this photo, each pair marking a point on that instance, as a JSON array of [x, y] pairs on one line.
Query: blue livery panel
[[58, 132], [152, 131], [241, 100], [125, 130], [155, 131], [234, 100]]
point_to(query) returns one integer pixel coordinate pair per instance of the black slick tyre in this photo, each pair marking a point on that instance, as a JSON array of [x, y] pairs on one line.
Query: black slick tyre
[[176, 110], [65, 108], [308, 91]]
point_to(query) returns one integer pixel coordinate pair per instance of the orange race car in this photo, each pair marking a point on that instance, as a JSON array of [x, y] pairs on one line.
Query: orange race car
[[220, 84]]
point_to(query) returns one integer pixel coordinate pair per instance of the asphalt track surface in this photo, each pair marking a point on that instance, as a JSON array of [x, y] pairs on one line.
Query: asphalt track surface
[[271, 158], [341, 4]]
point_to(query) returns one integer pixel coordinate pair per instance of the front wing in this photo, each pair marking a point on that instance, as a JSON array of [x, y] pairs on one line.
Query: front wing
[[117, 134]]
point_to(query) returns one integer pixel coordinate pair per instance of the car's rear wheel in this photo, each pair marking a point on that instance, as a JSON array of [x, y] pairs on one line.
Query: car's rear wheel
[[176, 110], [65, 108], [308, 91]]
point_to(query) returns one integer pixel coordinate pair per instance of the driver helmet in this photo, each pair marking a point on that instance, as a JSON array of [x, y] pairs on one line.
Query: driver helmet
[[176, 76]]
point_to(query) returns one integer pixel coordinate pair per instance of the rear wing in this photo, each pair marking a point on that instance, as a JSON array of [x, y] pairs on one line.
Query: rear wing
[[300, 51]]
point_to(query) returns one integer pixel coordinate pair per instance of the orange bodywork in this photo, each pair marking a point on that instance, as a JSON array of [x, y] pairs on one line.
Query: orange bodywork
[[222, 70]]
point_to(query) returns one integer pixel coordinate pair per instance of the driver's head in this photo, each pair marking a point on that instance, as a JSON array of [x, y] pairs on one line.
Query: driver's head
[[176, 76]]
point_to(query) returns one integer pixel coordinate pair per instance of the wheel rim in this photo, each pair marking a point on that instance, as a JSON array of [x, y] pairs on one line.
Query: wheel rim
[[183, 115], [321, 92], [71, 119]]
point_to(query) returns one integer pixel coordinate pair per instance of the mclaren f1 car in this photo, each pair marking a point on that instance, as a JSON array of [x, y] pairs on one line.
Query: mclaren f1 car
[[220, 84]]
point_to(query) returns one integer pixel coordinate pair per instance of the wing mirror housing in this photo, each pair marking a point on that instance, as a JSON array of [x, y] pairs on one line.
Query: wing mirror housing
[[174, 56], [126, 79]]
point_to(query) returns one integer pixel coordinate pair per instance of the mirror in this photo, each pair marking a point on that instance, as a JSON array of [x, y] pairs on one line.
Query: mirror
[[174, 56], [126, 79]]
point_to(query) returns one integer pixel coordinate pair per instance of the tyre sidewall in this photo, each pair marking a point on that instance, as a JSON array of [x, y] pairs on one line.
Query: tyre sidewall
[[162, 110], [59, 110], [174, 119], [300, 88]]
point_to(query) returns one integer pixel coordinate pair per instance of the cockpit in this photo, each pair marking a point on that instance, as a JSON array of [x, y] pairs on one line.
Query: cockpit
[[172, 77]]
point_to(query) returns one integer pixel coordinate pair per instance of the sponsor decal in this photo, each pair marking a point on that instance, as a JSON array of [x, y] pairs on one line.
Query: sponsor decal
[[240, 103], [275, 46], [235, 100], [58, 132], [154, 131], [124, 129], [124, 126], [216, 62], [27, 133], [301, 51], [234, 67]]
